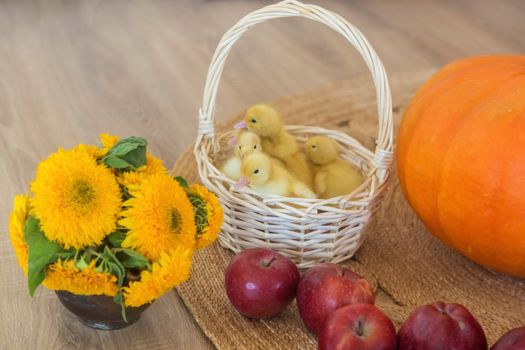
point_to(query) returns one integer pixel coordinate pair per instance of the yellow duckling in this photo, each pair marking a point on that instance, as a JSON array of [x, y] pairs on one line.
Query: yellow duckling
[[267, 176], [266, 122], [333, 176], [245, 143]]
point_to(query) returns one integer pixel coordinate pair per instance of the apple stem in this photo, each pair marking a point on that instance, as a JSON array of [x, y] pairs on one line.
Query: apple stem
[[269, 262]]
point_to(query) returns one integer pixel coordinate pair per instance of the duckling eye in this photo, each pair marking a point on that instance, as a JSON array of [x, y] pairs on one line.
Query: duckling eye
[[256, 171], [314, 146], [253, 120], [240, 147], [254, 146]]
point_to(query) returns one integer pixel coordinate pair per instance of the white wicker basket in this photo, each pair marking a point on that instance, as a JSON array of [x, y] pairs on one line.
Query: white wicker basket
[[306, 230]]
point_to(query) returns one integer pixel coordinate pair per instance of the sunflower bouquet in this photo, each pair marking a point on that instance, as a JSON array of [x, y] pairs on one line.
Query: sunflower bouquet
[[110, 220]]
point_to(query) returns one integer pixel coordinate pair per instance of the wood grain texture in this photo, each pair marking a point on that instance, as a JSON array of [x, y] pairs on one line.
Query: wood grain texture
[[72, 69]]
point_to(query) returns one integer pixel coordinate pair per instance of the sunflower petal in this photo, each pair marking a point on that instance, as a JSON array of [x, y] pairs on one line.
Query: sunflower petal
[[76, 199], [160, 219]]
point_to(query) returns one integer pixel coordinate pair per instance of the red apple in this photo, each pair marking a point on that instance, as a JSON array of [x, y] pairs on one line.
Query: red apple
[[441, 326], [358, 326], [512, 340], [260, 283], [327, 287]]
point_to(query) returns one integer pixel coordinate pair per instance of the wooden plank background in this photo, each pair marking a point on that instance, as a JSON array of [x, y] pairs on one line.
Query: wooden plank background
[[70, 70]]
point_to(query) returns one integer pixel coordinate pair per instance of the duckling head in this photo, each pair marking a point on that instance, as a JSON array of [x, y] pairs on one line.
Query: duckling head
[[256, 168], [321, 150], [263, 120], [247, 143]]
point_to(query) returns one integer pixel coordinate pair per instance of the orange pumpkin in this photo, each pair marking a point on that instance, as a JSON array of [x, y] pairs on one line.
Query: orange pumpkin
[[461, 159]]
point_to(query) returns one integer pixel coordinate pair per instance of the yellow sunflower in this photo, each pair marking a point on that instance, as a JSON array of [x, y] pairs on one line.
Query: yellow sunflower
[[17, 220], [159, 217], [91, 150], [64, 275], [130, 179], [76, 199], [107, 141], [172, 268], [208, 214]]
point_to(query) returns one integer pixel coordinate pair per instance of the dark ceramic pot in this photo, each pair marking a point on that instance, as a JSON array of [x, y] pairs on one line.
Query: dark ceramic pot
[[99, 311]]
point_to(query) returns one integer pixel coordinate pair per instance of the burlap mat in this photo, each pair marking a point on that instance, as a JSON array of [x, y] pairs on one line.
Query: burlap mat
[[407, 266]]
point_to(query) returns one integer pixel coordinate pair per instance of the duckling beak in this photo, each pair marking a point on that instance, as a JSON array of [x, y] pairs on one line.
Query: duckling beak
[[243, 182], [240, 125]]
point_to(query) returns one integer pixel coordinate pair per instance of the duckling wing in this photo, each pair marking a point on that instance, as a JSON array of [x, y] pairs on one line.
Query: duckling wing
[[282, 146], [320, 182], [341, 179], [232, 168], [301, 190], [276, 187], [298, 166]]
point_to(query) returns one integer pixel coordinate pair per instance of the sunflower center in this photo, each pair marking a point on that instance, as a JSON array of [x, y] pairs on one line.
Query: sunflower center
[[82, 193], [175, 220]]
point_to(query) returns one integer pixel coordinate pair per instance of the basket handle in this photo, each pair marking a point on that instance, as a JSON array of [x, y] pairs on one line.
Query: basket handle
[[291, 8]]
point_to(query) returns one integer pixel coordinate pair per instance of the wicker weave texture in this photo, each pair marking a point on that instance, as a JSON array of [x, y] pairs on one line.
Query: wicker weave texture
[[306, 230], [405, 264]]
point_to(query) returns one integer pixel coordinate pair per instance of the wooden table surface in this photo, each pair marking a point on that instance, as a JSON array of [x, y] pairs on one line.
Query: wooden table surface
[[70, 70]]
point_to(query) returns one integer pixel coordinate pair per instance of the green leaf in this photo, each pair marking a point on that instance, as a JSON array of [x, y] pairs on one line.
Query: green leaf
[[119, 299], [182, 181], [127, 154], [85, 258], [109, 254], [127, 145], [117, 270], [131, 259], [67, 254], [81, 263], [42, 252], [117, 163], [116, 238], [116, 267]]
